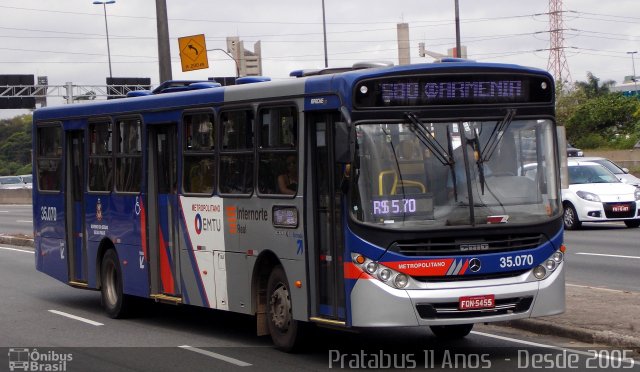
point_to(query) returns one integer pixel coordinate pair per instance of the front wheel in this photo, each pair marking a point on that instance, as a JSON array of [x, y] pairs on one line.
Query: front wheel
[[632, 223], [285, 331], [571, 221], [452, 332], [115, 303]]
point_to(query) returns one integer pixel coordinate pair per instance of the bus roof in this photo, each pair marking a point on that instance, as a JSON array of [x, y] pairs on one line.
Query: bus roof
[[336, 83]]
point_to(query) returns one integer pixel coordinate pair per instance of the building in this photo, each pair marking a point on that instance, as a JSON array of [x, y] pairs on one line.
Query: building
[[248, 63]]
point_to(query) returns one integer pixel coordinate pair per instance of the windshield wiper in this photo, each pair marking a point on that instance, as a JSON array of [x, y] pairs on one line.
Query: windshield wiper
[[428, 140], [496, 136]]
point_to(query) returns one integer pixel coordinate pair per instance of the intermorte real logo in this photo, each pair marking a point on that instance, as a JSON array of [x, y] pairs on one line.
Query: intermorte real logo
[[24, 359]]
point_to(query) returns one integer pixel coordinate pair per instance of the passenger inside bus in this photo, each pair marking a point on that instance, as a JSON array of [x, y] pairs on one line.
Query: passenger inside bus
[[288, 181]]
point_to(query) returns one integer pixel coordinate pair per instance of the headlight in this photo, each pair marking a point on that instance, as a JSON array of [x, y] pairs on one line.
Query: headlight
[[637, 193], [588, 196], [540, 272], [378, 271], [550, 265]]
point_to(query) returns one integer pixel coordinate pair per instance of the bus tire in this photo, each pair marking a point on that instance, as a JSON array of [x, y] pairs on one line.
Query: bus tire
[[113, 300], [452, 332], [285, 331], [570, 217]]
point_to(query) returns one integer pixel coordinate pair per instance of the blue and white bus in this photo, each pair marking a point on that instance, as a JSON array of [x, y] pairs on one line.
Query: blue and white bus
[[384, 196]]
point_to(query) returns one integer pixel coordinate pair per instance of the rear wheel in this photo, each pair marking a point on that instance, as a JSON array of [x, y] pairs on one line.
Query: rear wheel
[[452, 332], [114, 302], [571, 221], [285, 331], [632, 223]]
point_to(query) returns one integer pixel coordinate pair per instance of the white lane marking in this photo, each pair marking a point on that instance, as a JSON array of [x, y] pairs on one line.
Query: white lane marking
[[598, 288], [607, 255], [4, 211], [216, 356], [24, 221], [17, 250], [631, 362], [88, 321]]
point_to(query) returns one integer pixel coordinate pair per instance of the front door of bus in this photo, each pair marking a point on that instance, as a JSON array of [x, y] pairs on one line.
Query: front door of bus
[[162, 199], [329, 239], [74, 204]]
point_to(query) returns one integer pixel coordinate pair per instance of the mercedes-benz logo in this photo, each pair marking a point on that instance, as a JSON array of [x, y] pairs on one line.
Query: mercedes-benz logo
[[475, 265]]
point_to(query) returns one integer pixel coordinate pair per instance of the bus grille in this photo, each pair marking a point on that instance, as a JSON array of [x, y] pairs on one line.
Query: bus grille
[[454, 246], [450, 310], [461, 278]]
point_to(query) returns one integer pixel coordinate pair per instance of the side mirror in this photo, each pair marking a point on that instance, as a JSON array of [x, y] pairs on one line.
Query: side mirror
[[625, 170]]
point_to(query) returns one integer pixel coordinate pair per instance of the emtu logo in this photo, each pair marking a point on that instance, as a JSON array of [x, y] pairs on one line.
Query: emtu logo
[[198, 223], [232, 219]]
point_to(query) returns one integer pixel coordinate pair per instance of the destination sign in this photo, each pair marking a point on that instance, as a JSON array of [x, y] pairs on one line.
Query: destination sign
[[452, 90]]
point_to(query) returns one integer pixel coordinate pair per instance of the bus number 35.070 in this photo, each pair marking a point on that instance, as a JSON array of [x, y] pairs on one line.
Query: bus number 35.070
[[516, 261]]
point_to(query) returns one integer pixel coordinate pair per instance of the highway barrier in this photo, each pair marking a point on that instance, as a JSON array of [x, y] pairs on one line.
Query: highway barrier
[[15, 196]]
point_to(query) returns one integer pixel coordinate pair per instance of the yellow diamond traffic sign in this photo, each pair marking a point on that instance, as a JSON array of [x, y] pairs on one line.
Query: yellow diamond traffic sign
[[193, 52]]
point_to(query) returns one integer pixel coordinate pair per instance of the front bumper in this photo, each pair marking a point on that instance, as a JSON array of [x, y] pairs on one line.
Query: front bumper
[[374, 304], [589, 211]]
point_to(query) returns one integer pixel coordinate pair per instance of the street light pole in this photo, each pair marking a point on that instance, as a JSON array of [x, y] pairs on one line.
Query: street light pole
[[230, 56], [106, 26], [458, 47], [635, 81], [324, 31]]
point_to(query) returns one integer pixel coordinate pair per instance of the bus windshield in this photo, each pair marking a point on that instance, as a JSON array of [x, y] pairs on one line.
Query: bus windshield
[[417, 173]]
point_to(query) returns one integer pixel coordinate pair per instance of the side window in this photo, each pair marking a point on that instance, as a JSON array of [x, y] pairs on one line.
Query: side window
[[277, 151], [100, 157], [236, 154], [129, 155], [49, 158], [199, 153]]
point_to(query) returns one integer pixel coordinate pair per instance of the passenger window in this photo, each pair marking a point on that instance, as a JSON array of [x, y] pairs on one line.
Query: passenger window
[[199, 153], [129, 156], [237, 153], [100, 157], [49, 155], [277, 151]]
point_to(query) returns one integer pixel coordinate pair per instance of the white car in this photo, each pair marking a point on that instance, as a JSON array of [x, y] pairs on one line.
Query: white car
[[597, 195], [11, 182]]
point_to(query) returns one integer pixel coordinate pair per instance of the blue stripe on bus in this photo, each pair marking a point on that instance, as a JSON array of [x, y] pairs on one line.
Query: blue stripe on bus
[[491, 262]]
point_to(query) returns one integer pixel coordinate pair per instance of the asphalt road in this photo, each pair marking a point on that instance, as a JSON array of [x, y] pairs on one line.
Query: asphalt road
[[604, 255], [16, 219], [46, 317]]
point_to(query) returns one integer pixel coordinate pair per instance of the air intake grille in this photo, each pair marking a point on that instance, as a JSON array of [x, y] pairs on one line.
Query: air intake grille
[[450, 310], [453, 246], [620, 210]]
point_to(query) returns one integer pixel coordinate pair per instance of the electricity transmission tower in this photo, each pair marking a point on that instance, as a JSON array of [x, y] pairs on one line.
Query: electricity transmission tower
[[557, 64]]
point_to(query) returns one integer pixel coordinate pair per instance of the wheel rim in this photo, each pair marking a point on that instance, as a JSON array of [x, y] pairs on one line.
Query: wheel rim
[[569, 217], [280, 305], [110, 282]]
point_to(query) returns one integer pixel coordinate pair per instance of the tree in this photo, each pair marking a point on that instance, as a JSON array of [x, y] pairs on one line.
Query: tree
[[15, 145], [592, 87]]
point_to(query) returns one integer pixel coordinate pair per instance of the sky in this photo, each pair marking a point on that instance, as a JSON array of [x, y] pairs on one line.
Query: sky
[[65, 40]]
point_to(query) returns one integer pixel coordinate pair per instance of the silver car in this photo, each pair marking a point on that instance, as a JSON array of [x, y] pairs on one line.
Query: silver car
[[621, 173]]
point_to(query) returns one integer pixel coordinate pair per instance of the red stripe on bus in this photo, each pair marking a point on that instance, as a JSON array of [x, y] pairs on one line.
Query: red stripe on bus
[[143, 230], [351, 271], [165, 268], [464, 267], [435, 267]]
